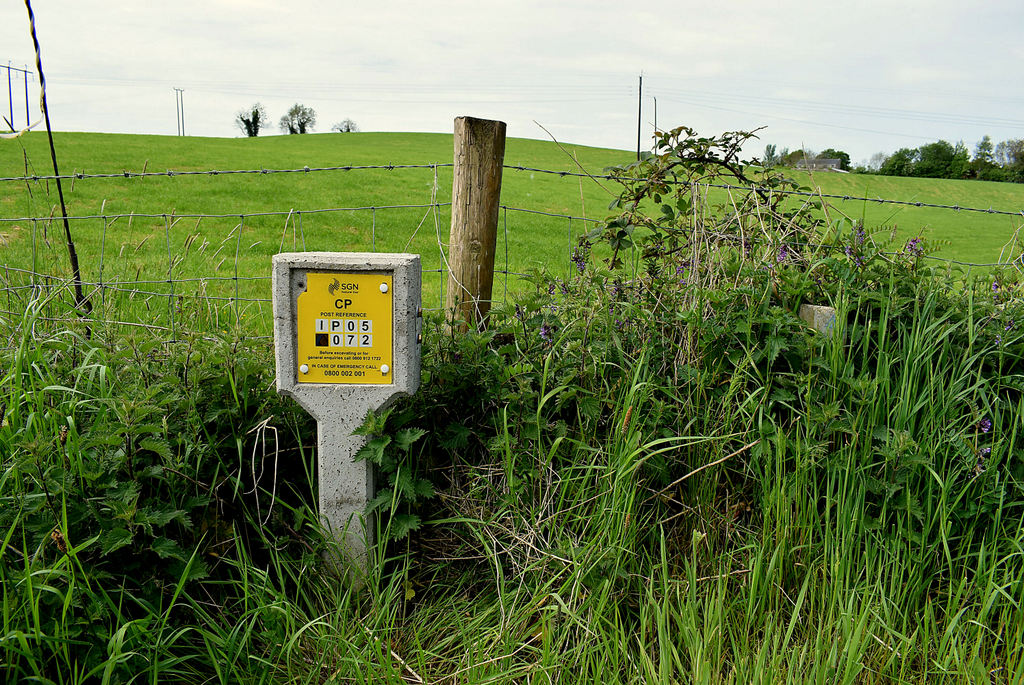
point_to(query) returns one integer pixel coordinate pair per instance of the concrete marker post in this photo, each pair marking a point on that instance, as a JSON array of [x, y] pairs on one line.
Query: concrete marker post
[[347, 333], [819, 317]]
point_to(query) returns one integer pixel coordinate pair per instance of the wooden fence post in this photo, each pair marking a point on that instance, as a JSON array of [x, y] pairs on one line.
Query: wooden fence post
[[476, 190]]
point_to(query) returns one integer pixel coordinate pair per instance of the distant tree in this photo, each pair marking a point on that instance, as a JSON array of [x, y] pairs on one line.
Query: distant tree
[[960, 166], [345, 126], [983, 150], [899, 163], [982, 166], [299, 119], [791, 158], [251, 120], [844, 158], [1009, 154], [934, 160], [877, 160], [1002, 154]]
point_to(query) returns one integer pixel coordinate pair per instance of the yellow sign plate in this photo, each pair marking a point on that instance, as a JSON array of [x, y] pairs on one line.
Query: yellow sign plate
[[344, 329]]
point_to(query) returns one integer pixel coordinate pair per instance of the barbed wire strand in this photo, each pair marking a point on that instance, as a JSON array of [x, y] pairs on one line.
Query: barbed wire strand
[[170, 173], [41, 281], [237, 278], [232, 215]]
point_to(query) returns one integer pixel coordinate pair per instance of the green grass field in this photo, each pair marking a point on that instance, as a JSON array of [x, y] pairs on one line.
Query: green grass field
[[209, 253], [666, 479], [139, 248], [965, 236]]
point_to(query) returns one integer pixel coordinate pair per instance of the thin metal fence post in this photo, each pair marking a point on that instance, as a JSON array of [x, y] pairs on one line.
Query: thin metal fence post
[[103, 251], [568, 253], [238, 251], [504, 213], [35, 256], [170, 276]]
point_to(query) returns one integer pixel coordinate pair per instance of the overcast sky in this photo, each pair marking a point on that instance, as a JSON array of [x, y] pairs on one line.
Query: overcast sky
[[859, 76]]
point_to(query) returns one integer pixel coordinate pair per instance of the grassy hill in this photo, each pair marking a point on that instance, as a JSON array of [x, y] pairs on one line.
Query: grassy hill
[[139, 247], [965, 236], [212, 248]]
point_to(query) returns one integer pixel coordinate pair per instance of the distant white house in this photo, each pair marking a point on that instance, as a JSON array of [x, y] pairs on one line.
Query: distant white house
[[819, 164]]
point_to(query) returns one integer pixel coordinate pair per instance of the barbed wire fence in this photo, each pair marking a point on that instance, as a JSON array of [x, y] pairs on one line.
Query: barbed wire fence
[[179, 272], [199, 272]]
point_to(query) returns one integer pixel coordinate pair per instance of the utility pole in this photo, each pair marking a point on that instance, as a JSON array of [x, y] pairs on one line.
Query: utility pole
[[28, 122], [179, 109], [10, 97], [10, 94], [655, 98], [639, 110]]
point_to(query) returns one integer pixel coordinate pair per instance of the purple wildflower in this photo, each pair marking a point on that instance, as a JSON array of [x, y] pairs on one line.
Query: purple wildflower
[[914, 247], [580, 255], [580, 260], [783, 253], [984, 452], [551, 288], [985, 424], [546, 333], [858, 261], [1009, 326]]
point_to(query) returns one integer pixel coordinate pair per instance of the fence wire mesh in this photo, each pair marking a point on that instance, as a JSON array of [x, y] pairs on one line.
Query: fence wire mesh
[[203, 272]]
